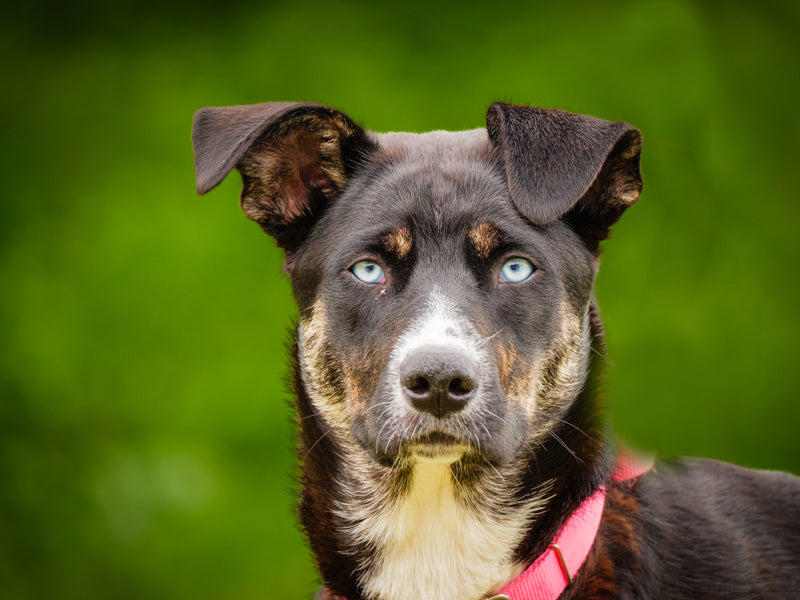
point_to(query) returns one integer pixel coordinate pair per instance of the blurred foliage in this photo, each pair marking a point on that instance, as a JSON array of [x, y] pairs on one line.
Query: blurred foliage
[[146, 445]]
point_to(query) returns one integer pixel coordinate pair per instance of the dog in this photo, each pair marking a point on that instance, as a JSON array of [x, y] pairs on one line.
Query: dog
[[448, 367]]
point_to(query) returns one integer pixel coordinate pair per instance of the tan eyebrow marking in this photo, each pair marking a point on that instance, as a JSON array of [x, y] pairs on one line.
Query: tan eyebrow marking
[[484, 238], [398, 241]]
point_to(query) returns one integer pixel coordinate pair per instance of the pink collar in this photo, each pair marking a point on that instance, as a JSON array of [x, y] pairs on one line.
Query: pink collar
[[550, 574]]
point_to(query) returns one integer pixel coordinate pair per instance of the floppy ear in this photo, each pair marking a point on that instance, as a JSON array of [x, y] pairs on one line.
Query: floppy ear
[[560, 164], [294, 159]]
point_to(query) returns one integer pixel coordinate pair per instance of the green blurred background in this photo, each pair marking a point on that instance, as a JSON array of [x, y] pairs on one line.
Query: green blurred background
[[146, 440]]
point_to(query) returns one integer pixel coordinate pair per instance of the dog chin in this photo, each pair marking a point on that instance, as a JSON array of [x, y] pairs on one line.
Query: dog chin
[[440, 445], [437, 448], [437, 454]]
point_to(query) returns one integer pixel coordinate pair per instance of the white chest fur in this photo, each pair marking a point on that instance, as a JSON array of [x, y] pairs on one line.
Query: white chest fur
[[433, 545]]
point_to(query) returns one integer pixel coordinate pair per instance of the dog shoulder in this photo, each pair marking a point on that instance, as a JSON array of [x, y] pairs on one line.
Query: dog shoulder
[[720, 491], [696, 528]]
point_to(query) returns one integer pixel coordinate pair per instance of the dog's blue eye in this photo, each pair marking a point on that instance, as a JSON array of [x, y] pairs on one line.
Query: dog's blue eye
[[516, 270], [367, 271]]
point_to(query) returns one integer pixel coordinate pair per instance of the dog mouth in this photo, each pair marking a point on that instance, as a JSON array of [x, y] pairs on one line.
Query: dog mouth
[[437, 447], [396, 432]]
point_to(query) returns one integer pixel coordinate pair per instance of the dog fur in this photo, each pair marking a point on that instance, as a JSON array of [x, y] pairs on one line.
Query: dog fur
[[450, 418]]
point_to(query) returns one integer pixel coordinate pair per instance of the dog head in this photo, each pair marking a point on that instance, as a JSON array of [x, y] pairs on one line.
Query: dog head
[[444, 280]]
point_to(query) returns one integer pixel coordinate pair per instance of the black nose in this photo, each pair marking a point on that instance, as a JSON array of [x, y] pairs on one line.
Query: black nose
[[438, 380]]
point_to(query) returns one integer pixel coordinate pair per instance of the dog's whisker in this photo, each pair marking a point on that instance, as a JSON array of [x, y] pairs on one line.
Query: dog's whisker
[[601, 355], [556, 437], [378, 437], [499, 474], [467, 498], [317, 415], [565, 422], [377, 405], [504, 420], [487, 339], [314, 445], [388, 443]]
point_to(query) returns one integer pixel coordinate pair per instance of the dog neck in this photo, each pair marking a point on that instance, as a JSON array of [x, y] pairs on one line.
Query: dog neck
[[437, 540], [433, 529]]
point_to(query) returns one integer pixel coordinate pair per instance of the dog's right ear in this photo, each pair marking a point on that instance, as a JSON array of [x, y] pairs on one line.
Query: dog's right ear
[[294, 159]]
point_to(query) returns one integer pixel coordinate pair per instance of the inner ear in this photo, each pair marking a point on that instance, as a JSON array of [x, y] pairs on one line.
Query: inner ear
[[284, 172], [615, 188]]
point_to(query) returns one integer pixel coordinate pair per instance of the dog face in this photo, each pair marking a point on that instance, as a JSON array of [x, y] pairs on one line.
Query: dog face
[[443, 279], [435, 319]]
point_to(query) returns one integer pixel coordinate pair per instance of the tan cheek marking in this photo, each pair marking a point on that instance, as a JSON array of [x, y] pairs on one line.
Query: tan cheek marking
[[340, 391], [313, 328], [563, 366], [365, 372], [320, 372], [518, 378], [507, 359], [398, 241], [361, 379], [541, 385], [484, 238], [356, 390]]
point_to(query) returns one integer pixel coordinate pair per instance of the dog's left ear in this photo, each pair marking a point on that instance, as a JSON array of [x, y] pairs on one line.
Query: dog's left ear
[[560, 164]]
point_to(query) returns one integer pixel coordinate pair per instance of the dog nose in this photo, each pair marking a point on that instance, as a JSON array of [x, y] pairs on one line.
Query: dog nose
[[438, 380]]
